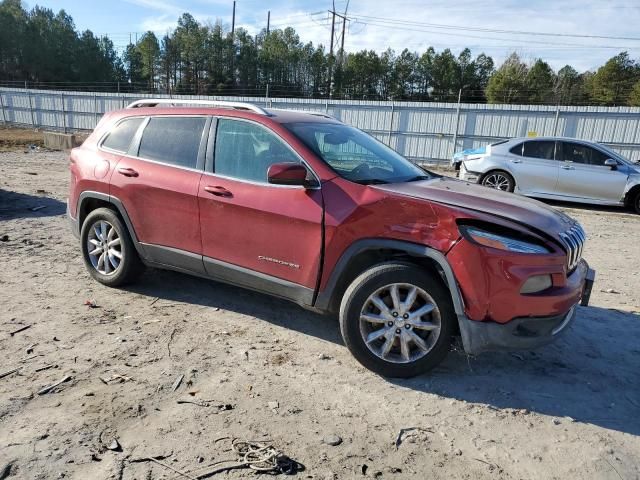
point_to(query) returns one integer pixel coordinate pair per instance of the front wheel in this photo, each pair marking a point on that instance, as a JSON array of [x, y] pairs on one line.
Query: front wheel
[[636, 202], [397, 320], [499, 180]]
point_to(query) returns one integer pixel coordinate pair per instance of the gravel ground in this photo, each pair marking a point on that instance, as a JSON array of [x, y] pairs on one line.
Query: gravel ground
[[259, 368]]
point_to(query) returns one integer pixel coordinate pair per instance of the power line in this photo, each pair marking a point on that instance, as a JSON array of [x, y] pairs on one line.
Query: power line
[[494, 30], [385, 24]]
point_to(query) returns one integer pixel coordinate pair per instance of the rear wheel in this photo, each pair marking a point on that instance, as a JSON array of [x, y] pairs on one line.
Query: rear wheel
[[499, 180], [107, 249], [397, 320]]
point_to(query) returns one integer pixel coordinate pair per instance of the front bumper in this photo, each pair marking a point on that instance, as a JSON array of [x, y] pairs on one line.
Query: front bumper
[[523, 333]]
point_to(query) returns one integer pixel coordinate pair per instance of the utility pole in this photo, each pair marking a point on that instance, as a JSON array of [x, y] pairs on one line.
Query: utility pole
[[333, 28], [233, 20], [341, 51], [233, 44], [268, 21]]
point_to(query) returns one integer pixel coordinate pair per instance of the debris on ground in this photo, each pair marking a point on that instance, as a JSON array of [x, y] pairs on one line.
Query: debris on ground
[[91, 303], [176, 383], [332, 440], [407, 432], [6, 374], [610, 290], [115, 377], [21, 329], [114, 446], [54, 385]]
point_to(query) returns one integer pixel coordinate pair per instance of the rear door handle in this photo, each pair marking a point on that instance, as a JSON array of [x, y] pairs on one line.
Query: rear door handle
[[516, 161], [218, 191], [127, 172], [567, 167]]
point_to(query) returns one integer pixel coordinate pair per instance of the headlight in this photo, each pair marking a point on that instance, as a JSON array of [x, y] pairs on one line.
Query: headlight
[[501, 242]]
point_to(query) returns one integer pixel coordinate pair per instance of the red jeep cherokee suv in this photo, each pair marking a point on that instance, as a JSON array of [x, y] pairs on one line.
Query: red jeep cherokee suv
[[304, 207]]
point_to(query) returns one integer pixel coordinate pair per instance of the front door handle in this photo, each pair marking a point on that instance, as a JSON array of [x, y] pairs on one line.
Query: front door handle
[[127, 172], [218, 191], [567, 167]]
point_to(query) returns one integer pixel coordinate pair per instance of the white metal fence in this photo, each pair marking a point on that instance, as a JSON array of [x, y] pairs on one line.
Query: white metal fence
[[429, 132]]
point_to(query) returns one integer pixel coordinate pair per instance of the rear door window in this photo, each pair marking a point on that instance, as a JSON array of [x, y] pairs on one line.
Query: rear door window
[[172, 140], [120, 137], [539, 149]]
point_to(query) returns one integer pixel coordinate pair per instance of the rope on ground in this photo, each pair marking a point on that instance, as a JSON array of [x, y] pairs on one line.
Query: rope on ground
[[258, 456]]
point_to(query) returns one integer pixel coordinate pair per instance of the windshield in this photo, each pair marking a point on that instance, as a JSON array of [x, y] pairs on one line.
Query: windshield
[[355, 155]]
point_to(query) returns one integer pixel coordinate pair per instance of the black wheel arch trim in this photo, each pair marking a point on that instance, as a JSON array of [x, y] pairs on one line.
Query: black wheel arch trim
[[324, 299], [89, 195]]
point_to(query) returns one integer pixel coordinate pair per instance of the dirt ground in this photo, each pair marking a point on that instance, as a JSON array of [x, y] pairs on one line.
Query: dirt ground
[[272, 371], [16, 139]]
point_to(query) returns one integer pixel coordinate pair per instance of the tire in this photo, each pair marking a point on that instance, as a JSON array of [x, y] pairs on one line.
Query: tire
[[378, 283], [111, 270], [635, 202], [500, 180]]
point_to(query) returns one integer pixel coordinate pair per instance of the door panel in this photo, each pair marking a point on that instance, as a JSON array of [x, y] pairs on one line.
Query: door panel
[[269, 229], [535, 170], [161, 201], [247, 222], [584, 176], [158, 181]]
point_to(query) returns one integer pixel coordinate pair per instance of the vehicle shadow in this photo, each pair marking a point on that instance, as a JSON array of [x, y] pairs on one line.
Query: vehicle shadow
[[21, 205], [587, 207], [590, 374], [209, 293]]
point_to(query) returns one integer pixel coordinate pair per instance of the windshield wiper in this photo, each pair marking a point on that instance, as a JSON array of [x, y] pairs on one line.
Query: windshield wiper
[[417, 178], [371, 181]]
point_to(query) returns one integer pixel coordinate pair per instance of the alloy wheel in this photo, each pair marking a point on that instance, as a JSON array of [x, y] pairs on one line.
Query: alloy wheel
[[497, 181], [104, 248], [400, 323]]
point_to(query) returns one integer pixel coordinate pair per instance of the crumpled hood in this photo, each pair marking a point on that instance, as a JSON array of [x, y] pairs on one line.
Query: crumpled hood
[[516, 208]]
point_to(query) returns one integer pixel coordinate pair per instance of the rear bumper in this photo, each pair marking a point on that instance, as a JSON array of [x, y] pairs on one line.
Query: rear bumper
[[73, 223], [468, 176]]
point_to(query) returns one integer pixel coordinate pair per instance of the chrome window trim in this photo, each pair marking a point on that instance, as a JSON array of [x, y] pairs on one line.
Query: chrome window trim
[[138, 137], [262, 184], [253, 182], [104, 136]]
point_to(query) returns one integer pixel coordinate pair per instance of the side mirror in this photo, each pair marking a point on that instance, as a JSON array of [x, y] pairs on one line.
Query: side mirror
[[287, 173], [611, 163]]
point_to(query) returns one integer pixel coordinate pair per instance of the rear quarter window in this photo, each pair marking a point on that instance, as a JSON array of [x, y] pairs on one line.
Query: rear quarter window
[[172, 140], [517, 150], [120, 137]]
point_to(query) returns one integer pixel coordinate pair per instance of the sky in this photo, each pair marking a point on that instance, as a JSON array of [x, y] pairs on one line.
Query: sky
[[560, 32]]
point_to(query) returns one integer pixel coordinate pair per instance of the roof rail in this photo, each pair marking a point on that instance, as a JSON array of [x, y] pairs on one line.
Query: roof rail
[[310, 112], [153, 102]]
